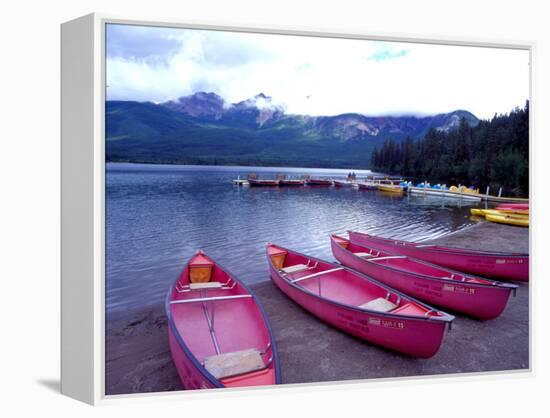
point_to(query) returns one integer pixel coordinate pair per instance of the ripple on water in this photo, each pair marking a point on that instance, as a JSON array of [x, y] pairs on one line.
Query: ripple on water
[[158, 216]]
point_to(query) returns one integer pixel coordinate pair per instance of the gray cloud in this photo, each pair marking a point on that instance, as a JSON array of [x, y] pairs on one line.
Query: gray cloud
[[151, 44]]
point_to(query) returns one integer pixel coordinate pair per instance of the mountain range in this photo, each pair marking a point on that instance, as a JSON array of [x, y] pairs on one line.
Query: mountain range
[[204, 129]]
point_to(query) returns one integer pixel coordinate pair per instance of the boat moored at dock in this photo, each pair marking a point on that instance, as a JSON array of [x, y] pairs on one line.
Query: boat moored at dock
[[219, 335], [343, 183], [426, 190], [471, 295], [367, 186], [291, 182], [254, 181], [319, 182], [358, 304], [494, 264], [391, 188]]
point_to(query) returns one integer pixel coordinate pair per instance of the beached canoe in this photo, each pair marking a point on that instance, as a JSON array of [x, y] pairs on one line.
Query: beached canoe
[[513, 211], [358, 304], [484, 212], [508, 219], [319, 182], [517, 206], [494, 264], [468, 294], [524, 212], [218, 332]]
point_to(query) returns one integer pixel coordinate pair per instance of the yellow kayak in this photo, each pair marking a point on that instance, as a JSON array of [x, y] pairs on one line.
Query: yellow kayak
[[508, 220], [513, 211], [391, 189], [484, 212]]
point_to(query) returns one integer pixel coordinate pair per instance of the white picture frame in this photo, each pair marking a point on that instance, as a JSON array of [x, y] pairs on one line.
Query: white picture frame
[[83, 194]]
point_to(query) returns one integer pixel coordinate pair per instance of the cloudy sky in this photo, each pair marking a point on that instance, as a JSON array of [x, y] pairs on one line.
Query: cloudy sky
[[316, 76]]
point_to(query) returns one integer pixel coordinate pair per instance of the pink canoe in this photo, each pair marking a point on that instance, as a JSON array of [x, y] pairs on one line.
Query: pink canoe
[[500, 265], [474, 296], [218, 332], [358, 304], [262, 183], [520, 206]]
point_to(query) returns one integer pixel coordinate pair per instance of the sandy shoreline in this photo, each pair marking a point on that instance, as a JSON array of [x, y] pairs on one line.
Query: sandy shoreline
[[138, 357]]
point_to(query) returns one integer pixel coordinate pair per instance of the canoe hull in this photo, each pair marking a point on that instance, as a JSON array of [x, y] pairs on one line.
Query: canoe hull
[[514, 206], [189, 373], [508, 220], [483, 302], [511, 214], [495, 265], [417, 336], [409, 336]]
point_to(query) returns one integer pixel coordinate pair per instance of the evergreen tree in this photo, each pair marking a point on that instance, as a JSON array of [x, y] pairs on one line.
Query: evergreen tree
[[494, 153]]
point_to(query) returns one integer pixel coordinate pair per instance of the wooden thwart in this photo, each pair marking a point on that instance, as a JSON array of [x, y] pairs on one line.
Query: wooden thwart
[[390, 257], [207, 285], [212, 298], [310, 276]]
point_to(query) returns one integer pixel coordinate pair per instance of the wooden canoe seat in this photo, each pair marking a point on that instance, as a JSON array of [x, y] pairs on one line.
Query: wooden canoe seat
[[379, 304], [234, 363], [207, 285], [363, 255], [294, 269]]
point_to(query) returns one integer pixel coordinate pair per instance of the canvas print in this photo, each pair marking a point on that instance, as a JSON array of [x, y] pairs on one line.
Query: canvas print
[[288, 209]]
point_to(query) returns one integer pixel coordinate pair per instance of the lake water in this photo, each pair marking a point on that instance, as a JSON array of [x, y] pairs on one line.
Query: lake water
[[157, 216]]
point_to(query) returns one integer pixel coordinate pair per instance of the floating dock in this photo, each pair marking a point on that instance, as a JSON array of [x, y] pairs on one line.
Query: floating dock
[[241, 182], [426, 191]]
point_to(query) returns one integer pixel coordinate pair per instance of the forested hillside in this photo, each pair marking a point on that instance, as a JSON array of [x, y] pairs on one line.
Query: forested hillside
[[494, 153]]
